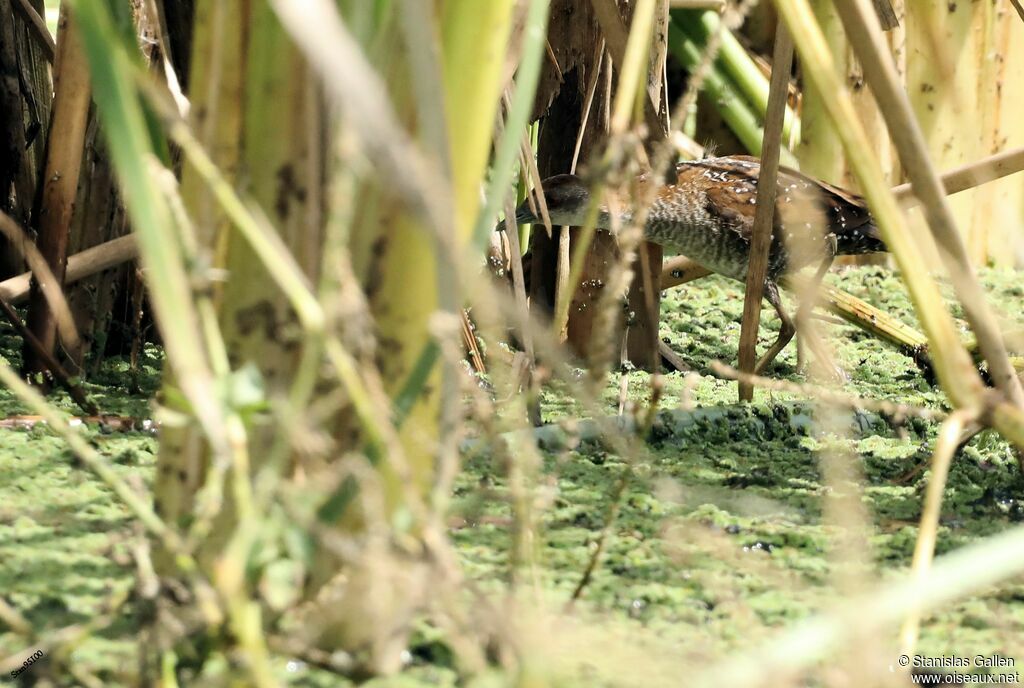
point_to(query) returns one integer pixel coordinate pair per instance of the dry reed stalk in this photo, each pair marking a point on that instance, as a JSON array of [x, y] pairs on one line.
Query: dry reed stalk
[[40, 32], [764, 212], [643, 295], [71, 102], [867, 40], [562, 285], [949, 440]]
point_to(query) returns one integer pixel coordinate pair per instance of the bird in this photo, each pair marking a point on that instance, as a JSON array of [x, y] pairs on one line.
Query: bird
[[707, 213]]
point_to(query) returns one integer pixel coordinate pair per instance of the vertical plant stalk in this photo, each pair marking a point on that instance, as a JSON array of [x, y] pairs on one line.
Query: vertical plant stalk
[[562, 284], [734, 61], [865, 34], [924, 549], [952, 363], [72, 98], [617, 39], [819, 148], [626, 51], [644, 298], [764, 211], [735, 112]]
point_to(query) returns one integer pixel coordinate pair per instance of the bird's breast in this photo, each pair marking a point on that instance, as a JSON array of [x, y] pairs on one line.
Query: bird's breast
[[708, 240]]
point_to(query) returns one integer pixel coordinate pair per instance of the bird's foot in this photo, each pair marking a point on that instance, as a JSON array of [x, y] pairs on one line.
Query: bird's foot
[[827, 372]]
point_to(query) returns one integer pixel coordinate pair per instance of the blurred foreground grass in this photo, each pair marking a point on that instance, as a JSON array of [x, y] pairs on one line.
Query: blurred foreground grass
[[719, 541]]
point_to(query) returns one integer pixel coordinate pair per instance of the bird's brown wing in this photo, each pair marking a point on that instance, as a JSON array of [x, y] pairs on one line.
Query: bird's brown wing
[[726, 185], [806, 207]]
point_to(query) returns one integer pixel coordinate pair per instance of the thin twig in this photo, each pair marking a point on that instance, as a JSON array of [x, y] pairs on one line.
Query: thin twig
[[764, 212], [48, 360], [948, 442]]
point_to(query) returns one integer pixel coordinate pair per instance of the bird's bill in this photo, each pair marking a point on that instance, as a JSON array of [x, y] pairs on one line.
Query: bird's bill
[[525, 216]]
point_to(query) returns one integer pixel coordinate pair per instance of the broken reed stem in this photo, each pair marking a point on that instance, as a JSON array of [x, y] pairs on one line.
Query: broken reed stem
[[861, 314], [764, 211], [948, 442], [866, 37]]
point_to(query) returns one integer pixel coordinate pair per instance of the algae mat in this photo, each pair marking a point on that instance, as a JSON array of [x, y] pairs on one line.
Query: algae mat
[[720, 539]]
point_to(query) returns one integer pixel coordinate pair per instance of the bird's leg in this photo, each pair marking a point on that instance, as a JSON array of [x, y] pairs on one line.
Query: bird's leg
[[804, 310], [786, 328], [808, 298]]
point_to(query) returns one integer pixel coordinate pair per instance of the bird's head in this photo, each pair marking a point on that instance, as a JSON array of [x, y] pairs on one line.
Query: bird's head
[[567, 199]]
